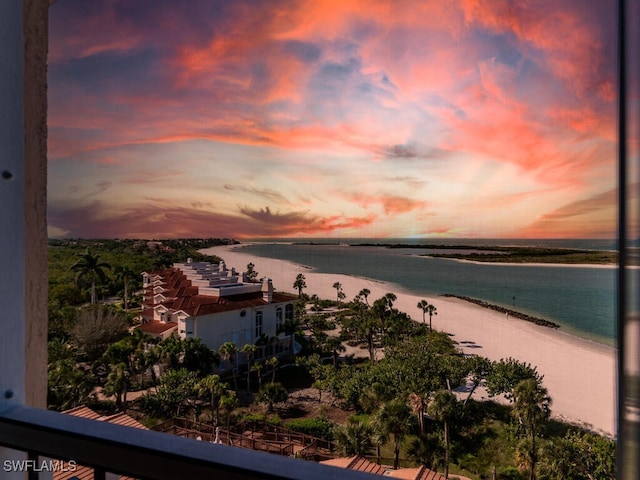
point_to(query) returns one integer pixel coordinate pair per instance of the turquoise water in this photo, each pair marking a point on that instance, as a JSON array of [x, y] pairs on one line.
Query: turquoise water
[[580, 299]]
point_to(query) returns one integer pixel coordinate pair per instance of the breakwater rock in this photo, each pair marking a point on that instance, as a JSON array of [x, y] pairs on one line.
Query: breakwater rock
[[513, 313]]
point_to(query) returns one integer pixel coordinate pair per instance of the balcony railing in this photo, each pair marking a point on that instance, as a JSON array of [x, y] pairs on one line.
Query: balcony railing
[[142, 454]]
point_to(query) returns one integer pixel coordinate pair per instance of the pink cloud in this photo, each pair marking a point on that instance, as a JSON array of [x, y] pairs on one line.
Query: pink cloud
[[570, 38], [425, 86], [391, 204], [593, 217]]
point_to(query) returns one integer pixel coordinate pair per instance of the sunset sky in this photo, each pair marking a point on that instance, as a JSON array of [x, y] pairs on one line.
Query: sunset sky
[[464, 118]]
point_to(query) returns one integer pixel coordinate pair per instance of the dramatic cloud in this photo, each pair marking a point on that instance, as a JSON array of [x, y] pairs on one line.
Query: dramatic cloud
[[573, 218], [352, 118], [294, 223], [160, 219]]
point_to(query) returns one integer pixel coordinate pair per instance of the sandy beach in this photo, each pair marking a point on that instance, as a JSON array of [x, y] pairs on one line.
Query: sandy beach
[[579, 374]]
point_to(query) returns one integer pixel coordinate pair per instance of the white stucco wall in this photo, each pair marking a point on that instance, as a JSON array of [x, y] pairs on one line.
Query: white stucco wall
[[216, 329]]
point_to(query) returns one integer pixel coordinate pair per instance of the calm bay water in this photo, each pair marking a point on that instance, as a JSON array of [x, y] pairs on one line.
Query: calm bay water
[[580, 299]]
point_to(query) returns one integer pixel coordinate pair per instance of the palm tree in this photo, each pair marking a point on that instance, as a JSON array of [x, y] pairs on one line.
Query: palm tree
[[335, 346], [124, 274], [215, 388], [151, 357], [532, 407], [431, 310], [394, 418], [69, 386], [117, 384], [249, 351], [227, 352], [355, 438], [368, 327], [272, 393], [426, 307], [418, 405], [138, 356], [338, 287], [523, 457], [364, 293], [229, 401], [289, 327], [443, 408], [383, 310], [300, 284], [257, 367], [273, 363], [422, 305], [89, 266], [170, 350], [427, 449]]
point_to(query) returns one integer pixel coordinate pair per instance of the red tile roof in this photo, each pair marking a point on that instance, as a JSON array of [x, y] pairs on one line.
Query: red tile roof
[[82, 411], [361, 464], [418, 473], [180, 295], [124, 420], [86, 473], [204, 305], [358, 463], [157, 327]]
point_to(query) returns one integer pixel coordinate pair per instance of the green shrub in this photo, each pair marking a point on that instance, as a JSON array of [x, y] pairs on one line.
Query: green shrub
[[510, 473], [273, 420], [316, 427], [151, 405], [254, 417]]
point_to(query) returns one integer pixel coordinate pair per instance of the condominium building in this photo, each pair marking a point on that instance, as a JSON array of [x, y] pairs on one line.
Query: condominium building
[[208, 301]]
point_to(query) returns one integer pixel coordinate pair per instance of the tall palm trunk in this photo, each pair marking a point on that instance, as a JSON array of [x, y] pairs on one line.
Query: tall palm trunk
[[93, 291], [446, 449], [396, 453], [126, 294], [532, 475]]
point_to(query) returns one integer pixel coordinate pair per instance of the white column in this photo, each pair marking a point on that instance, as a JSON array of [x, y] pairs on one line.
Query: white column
[[12, 272], [12, 275]]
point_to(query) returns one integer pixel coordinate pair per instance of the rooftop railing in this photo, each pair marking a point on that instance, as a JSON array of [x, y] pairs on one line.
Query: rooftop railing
[[139, 453]]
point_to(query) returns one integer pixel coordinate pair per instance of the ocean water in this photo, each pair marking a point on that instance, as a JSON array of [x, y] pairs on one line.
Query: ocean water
[[580, 299]]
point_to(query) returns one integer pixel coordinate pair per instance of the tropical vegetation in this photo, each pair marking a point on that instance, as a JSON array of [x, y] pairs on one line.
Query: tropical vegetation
[[409, 401]]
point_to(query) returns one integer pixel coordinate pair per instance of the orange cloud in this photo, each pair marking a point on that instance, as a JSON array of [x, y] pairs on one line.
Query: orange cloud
[[584, 120], [594, 217], [396, 205], [312, 95], [391, 204]]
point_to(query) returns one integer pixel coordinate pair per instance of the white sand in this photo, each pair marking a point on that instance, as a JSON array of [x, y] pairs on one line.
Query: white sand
[[579, 374]]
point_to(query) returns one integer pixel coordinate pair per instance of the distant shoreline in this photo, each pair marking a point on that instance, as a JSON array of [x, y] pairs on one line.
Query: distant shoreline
[[513, 255], [528, 264]]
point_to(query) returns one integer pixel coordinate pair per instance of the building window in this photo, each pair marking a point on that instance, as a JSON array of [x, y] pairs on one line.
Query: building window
[[278, 320], [258, 330], [288, 312]]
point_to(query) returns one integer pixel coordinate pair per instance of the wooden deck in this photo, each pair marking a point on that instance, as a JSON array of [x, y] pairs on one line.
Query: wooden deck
[[264, 438]]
